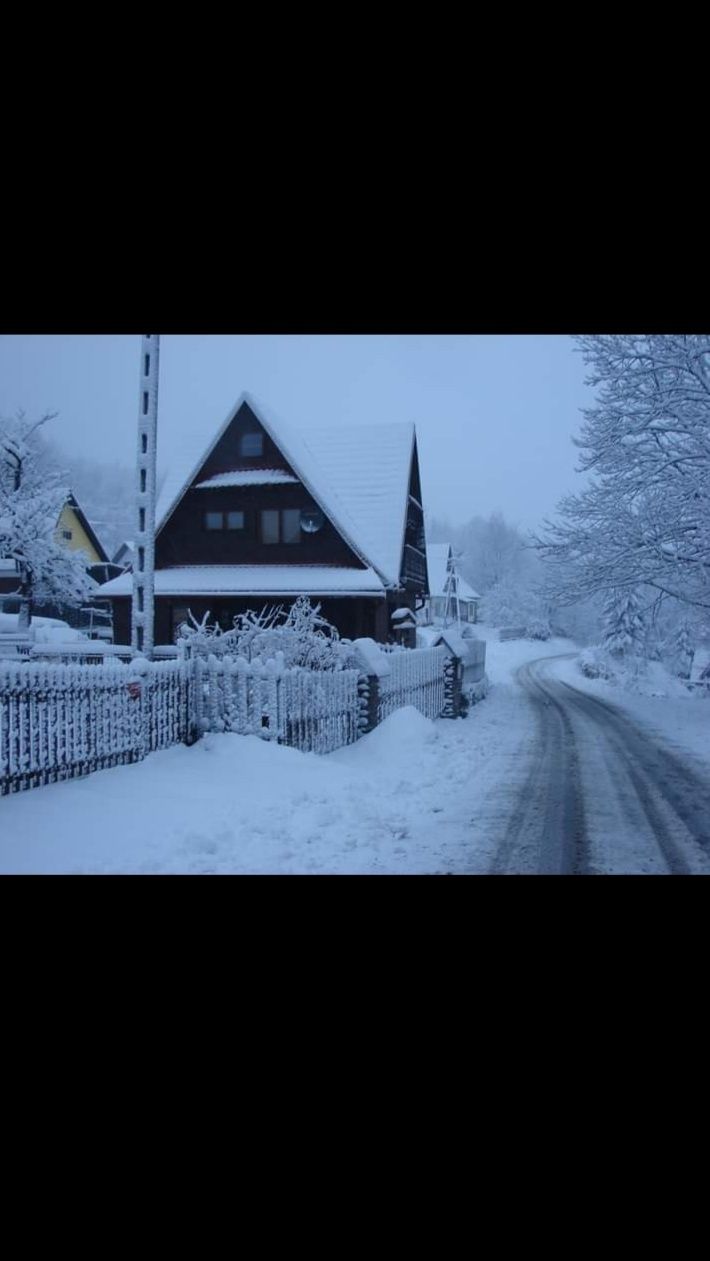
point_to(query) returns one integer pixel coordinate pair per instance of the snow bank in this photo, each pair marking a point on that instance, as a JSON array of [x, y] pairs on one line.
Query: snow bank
[[370, 658]]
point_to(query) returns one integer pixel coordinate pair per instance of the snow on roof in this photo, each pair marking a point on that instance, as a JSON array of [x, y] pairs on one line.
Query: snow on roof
[[248, 477], [367, 468], [359, 476], [467, 592], [437, 555], [453, 640], [313, 580]]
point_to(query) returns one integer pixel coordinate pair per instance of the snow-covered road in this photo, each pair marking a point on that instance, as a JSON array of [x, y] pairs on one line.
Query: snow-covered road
[[603, 794]]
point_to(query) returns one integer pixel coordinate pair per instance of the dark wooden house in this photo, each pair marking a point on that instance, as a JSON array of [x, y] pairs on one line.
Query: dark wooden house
[[257, 515]]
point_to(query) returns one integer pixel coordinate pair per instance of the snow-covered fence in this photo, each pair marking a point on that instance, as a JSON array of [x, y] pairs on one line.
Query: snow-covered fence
[[312, 710], [62, 721], [82, 652], [15, 646], [319, 710], [415, 677]]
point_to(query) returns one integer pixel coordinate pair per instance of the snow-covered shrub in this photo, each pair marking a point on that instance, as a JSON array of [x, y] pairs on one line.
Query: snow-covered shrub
[[301, 635], [594, 664], [537, 628]]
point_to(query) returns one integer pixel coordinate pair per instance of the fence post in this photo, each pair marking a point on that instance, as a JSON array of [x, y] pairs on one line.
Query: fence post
[[138, 682], [453, 687], [368, 689]]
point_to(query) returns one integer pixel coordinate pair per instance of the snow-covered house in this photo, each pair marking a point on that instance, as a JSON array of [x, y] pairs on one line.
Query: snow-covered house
[[75, 532], [451, 599], [256, 514]]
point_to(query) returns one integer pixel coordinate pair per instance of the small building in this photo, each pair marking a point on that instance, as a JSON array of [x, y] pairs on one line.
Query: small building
[[451, 598], [254, 514]]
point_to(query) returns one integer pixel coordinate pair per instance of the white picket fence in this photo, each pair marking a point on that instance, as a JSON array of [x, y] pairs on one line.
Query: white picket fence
[[416, 678], [315, 711], [62, 721]]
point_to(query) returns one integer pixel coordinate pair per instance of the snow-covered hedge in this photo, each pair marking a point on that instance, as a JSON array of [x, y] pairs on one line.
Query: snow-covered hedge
[[300, 634]]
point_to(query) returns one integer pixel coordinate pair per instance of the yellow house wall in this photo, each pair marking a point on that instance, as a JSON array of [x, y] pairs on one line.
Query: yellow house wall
[[79, 540]]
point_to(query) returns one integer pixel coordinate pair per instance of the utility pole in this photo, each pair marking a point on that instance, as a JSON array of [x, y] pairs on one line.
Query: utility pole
[[143, 604]]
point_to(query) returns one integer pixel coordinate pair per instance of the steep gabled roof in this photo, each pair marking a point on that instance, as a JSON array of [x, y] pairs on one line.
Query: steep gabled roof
[[358, 476]]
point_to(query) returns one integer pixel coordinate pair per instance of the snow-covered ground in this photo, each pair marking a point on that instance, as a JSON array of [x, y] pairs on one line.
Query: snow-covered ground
[[413, 796]]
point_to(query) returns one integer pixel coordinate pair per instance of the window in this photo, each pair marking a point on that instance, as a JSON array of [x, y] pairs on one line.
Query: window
[[291, 525], [269, 526], [66, 534], [224, 521], [252, 443], [282, 526]]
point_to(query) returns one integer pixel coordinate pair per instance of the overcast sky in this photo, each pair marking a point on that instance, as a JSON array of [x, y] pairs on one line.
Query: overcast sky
[[494, 415]]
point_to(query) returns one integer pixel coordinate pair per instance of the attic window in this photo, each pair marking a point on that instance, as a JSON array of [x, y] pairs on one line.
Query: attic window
[[66, 534], [251, 443]]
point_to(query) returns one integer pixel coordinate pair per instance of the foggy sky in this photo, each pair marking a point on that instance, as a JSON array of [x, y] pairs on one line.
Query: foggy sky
[[494, 415]]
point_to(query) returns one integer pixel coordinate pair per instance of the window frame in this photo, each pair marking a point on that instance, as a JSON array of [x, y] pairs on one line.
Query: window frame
[[224, 527], [281, 540], [245, 437]]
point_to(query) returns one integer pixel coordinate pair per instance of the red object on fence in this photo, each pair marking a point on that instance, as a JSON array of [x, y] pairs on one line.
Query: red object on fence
[[134, 691]]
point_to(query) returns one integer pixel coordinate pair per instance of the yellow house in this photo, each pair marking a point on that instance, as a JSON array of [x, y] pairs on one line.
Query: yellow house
[[75, 533]]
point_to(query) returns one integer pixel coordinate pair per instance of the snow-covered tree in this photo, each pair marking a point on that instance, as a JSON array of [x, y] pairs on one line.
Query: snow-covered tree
[[683, 649], [31, 500], [624, 629], [644, 519], [488, 550]]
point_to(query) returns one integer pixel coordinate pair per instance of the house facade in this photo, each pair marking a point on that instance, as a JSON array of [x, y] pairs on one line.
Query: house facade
[[256, 515], [451, 598]]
